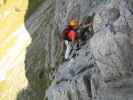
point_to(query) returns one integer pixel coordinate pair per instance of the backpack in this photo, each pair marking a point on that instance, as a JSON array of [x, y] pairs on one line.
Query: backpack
[[71, 35]]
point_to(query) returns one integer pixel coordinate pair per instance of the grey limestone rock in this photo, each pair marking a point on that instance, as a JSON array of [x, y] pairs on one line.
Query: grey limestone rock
[[108, 74], [101, 70]]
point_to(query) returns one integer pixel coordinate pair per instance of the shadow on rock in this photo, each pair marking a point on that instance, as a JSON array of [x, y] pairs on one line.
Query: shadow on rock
[[39, 61]]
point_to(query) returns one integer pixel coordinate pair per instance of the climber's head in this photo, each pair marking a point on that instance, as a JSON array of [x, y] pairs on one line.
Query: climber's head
[[73, 23]]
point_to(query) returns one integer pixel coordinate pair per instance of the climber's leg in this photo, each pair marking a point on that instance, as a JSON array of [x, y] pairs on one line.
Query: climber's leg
[[68, 49]]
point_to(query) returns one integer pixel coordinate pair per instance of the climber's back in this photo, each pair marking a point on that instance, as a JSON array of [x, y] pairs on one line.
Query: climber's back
[[69, 37]]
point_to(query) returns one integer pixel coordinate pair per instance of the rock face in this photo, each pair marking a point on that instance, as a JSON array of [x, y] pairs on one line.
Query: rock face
[[103, 67], [73, 78]]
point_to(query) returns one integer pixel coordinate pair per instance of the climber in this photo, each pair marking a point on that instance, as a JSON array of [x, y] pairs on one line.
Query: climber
[[69, 37], [74, 33]]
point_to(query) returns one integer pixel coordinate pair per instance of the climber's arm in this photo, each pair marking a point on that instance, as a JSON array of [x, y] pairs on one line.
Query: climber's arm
[[87, 25]]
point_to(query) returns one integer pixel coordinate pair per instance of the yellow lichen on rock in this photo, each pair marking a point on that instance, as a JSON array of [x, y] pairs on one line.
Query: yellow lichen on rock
[[10, 18], [14, 39]]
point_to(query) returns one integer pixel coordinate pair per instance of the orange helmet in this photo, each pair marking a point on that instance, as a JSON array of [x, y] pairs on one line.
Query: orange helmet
[[73, 23]]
